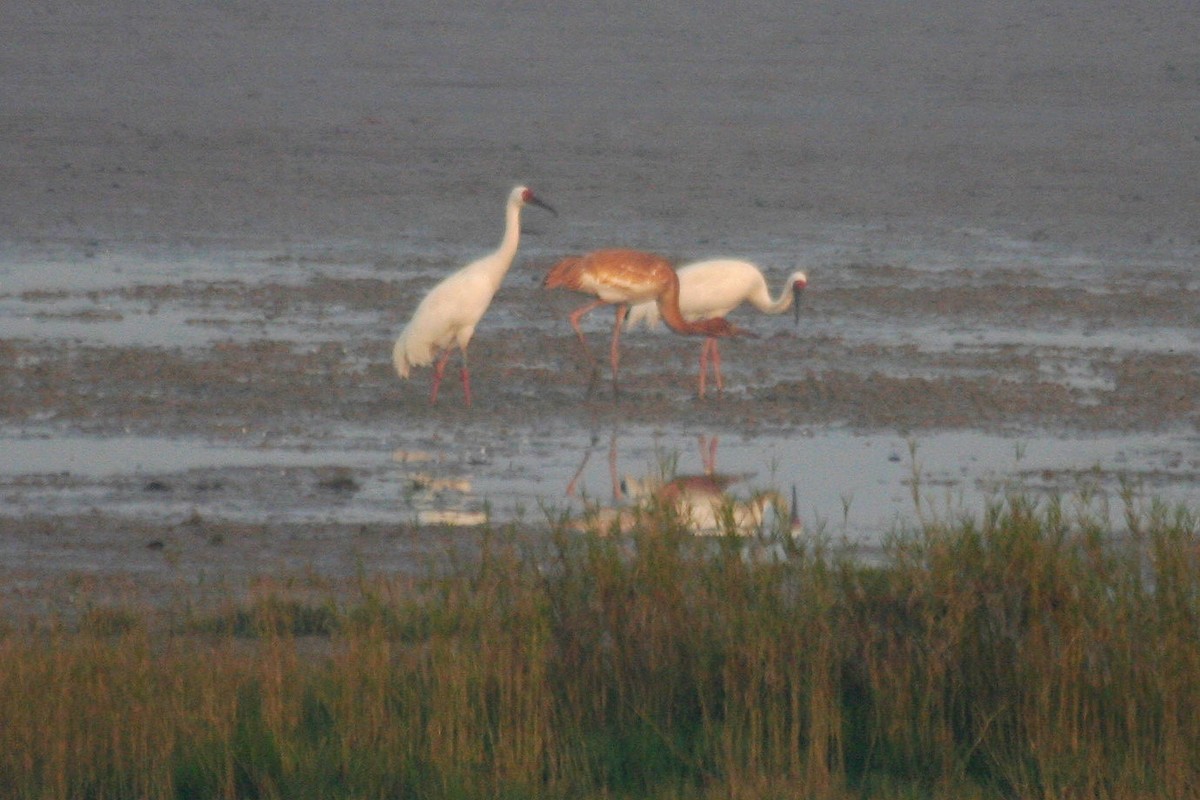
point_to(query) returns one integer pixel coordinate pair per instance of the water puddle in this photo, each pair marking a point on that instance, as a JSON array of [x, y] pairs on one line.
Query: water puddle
[[844, 483], [192, 300]]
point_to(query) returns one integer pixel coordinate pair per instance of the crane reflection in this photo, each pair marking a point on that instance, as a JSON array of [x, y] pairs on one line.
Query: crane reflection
[[707, 503]]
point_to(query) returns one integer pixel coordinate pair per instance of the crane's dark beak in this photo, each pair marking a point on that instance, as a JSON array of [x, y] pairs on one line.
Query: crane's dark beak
[[533, 200], [797, 295]]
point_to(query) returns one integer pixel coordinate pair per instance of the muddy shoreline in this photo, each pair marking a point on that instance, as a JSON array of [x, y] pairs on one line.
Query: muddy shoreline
[[214, 220]]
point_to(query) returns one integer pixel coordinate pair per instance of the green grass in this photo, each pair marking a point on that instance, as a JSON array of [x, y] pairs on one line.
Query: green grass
[[1032, 653]]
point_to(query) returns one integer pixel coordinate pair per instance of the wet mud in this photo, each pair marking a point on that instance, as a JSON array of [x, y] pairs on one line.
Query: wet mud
[[214, 222], [279, 440], [304, 358]]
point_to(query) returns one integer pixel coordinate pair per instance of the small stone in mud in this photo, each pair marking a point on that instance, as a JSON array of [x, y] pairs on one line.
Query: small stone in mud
[[340, 483], [155, 544]]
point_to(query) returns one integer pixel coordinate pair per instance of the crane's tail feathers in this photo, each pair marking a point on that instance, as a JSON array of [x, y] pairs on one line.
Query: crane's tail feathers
[[642, 314], [405, 356], [400, 359]]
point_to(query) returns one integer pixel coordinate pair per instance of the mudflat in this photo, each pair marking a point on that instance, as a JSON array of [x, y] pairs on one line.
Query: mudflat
[[214, 219]]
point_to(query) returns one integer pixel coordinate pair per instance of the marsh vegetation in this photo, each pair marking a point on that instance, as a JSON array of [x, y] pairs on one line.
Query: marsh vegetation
[[1036, 651]]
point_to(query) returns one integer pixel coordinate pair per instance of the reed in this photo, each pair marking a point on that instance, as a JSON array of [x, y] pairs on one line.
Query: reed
[[1032, 652]]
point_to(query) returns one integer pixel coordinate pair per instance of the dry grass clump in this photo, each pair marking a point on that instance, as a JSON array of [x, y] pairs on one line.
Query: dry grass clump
[[1035, 652]]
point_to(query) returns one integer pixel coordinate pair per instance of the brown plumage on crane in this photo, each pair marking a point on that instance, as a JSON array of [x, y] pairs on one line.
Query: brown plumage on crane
[[621, 277]]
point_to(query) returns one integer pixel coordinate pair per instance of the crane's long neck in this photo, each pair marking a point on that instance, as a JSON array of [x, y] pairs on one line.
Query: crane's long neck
[[512, 237], [668, 309], [787, 296]]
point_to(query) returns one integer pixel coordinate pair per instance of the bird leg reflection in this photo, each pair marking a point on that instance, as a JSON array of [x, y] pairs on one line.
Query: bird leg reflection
[[703, 502], [617, 493], [708, 453], [575, 478]]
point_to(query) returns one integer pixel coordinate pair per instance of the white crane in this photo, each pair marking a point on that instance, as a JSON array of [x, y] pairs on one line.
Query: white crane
[[447, 317], [716, 287]]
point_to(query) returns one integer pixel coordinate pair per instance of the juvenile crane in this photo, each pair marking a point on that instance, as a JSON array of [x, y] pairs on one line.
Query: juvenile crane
[[447, 317], [620, 277], [715, 288]]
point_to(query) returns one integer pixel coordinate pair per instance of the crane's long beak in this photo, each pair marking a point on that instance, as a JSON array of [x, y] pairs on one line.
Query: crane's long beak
[[537, 202], [797, 295]]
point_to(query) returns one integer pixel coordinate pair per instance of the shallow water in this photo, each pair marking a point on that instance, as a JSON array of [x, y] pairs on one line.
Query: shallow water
[[200, 284], [846, 483], [298, 460]]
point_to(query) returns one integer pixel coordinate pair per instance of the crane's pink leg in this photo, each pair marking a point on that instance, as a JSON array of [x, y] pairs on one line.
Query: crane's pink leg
[[438, 370], [576, 315], [709, 354], [466, 377], [716, 362], [615, 353]]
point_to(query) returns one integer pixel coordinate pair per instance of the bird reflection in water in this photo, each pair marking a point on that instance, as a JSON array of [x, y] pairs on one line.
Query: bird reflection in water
[[703, 503], [438, 499]]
